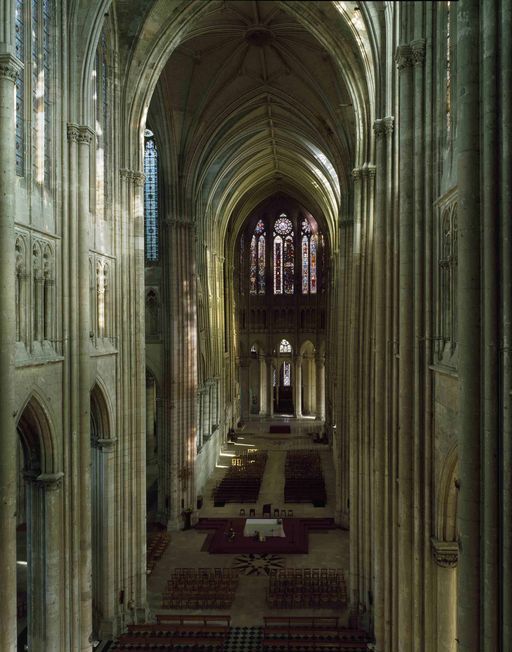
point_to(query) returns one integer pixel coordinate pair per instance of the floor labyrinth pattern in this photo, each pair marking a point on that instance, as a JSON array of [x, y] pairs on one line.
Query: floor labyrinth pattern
[[257, 564]]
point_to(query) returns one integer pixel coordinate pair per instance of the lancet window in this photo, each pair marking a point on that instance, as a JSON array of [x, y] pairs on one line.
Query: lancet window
[[283, 256], [257, 260], [33, 47], [151, 198], [309, 248]]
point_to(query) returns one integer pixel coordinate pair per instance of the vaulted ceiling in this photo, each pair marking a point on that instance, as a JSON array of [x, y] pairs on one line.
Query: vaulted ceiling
[[257, 102]]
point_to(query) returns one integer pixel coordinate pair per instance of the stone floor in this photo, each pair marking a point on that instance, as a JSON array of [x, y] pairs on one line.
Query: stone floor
[[327, 549]]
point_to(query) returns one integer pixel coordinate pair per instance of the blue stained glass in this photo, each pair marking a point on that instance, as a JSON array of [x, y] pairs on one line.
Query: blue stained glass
[[305, 265], [151, 200], [20, 90], [46, 90]]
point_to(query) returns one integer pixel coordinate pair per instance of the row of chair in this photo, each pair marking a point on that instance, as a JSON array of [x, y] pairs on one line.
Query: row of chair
[[304, 480], [200, 588], [311, 633], [242, 481], [157, 543]]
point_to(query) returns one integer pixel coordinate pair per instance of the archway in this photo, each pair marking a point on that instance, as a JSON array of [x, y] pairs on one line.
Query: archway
[[39, 524], [102, 514]]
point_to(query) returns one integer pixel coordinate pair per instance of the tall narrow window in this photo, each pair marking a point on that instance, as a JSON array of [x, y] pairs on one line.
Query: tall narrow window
[[151, 197], [309, 258], [20, 89], [253, 278], [103, 127], [257, 260], [37, 98], [47, 66], [312, 264], [283, 256], [448, 70]]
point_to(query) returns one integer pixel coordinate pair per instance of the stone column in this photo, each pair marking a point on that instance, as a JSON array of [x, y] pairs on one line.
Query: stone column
[[10, 68], [381, 389], [105, 552], [320, 387], [298, 386], [85, 136], [270, 387], [405, 61], [445, 554], [47, 585], [244, 389], [469, 325]]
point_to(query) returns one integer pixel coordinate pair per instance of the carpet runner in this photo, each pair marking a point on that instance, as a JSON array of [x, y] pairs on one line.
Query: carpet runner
[[296, 540]]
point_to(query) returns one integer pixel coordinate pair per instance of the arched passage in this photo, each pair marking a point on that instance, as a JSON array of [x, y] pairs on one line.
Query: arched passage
[[102, 514], [39, 531]]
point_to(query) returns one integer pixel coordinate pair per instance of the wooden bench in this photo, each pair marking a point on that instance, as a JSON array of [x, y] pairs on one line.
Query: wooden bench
[[177, 619]]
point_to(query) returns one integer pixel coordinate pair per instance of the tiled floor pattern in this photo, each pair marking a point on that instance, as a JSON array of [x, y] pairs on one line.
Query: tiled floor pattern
[[244, 639]]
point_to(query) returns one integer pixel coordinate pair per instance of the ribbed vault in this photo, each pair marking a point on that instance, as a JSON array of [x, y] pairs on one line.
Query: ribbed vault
[[259, 98]]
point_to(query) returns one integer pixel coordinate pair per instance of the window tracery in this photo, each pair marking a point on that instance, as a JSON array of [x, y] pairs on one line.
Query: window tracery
[[283, 256]]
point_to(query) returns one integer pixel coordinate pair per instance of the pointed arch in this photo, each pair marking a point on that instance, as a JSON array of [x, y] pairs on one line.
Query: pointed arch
[[101, 419], [36, 433]]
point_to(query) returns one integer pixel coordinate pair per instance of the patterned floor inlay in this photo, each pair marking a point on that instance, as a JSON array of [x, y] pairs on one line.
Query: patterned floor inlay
[[257, 564], [244, 639]]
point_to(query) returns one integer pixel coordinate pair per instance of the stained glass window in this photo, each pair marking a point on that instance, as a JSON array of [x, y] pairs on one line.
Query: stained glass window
[[257, 260], [254, 267], [305, 265], [261, 264], [309, 247], [46, 89], [151, 198], [20, 90], [448, 70], [287, 376], [283, 256], [285, 347], [312, 264], [37, 94]]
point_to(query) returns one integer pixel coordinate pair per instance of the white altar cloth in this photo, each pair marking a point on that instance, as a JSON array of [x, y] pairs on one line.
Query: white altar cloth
[[268, 527]]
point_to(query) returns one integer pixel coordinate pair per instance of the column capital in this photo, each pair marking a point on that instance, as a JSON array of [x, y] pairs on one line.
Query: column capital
[[404, 57], [445, 553], [73, 131], [139, 178], [106, 445], [378, 128], [418, 50], [50, 481], [10, 67], [369, 170], [356, 173], [85, 135], [388, 124]]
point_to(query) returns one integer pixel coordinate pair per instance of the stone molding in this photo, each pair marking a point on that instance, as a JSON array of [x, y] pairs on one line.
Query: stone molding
[[10, 67], [346, 223], [50, 481], [445, 553], [404, 57]]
